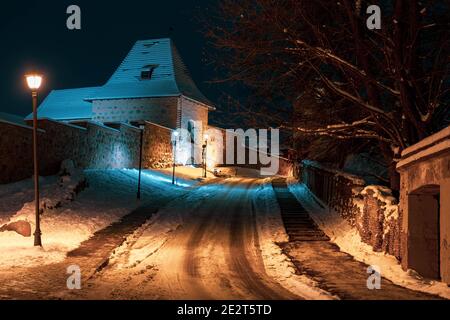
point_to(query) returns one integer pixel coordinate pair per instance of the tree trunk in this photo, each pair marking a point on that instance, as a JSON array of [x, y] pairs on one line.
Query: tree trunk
[[394, 178]]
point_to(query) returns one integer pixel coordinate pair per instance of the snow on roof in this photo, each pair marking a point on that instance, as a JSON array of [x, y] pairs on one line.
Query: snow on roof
[[427, 142], [66, 104], [170, 76], [433, 145]]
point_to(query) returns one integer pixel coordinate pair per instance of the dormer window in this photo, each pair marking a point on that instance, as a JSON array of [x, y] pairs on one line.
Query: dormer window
[[147, 72]]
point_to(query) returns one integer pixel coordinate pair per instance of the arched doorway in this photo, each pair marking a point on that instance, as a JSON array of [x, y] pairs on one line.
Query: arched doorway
[[424, 234]]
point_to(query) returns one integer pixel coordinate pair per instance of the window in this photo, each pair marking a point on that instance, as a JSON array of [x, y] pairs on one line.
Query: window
[[147, 72]]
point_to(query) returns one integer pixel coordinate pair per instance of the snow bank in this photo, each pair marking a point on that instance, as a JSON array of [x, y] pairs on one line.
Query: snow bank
[[349, 241], [14, 195], [111, 195], [70, 182], [277, 264]]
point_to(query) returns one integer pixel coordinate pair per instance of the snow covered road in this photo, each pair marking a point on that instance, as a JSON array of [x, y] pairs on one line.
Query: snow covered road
[[203, 246]]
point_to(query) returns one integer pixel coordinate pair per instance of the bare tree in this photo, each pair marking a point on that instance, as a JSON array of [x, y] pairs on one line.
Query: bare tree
[[388, 86]]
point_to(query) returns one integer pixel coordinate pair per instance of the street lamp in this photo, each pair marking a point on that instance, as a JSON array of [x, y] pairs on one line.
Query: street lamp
[[34, 82], [174, 142], [205, 150], [141, 129]]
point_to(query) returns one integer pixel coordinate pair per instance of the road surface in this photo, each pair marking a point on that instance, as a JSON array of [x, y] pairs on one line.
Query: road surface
[[212, 253]]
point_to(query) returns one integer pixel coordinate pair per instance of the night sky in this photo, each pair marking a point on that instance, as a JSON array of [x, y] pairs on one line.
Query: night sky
[[34, 36]]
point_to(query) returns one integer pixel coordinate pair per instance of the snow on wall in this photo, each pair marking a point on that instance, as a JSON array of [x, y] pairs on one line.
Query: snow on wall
[[377, 219], [371, 210]]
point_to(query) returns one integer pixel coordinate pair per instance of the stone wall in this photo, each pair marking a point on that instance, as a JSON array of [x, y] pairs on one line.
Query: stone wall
[[109, 148], [376, 217], [60, 142], [191, 110], [194, 111], [16, 152], [157, 146], [372, 210], [157, 110], [217, 154], [94, 146]]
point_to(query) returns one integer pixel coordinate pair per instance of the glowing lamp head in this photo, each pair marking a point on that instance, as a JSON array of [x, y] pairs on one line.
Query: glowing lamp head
[[206, 137], [34, 81], [175, 135]]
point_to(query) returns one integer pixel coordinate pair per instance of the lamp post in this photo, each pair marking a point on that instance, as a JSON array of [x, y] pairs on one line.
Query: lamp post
[[205, 154], [141, 129], [174, 142], [34, 82]]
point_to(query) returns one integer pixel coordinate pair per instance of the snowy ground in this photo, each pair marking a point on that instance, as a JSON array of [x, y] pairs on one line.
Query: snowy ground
[[14, 195], [217, 242], [110, 195], [349, 241], [271, 231]]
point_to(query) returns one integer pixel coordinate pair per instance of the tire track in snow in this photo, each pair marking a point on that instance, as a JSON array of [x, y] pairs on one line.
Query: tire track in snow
[[243, 231], [204, 225]]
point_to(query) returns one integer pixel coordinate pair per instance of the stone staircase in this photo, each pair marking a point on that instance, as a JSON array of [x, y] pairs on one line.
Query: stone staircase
[[297, 222]]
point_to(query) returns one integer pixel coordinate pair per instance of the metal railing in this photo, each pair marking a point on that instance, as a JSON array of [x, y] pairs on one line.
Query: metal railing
[[332, 187]]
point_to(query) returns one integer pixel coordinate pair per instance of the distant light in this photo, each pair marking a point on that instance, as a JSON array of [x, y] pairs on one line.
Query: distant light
[[175, 135], [34, 81], [206, 136]]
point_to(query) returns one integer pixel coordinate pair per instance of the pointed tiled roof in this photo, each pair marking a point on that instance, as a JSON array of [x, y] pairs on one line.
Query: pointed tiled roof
[[169, 79], [170, 76]]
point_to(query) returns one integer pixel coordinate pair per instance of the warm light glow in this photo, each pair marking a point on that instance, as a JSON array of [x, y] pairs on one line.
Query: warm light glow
[[34, 81], [206, 137]]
